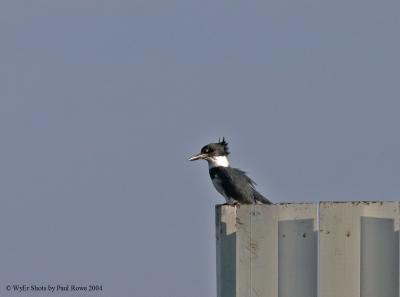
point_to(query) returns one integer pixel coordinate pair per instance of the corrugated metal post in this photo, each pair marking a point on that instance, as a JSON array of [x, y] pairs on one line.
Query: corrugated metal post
[[275, 250], [290, 250], [359, 249]]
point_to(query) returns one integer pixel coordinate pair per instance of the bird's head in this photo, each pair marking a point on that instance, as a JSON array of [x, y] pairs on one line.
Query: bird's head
[[212, 151]]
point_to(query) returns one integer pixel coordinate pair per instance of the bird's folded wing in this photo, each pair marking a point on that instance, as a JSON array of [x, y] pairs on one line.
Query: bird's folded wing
[[237, 184]]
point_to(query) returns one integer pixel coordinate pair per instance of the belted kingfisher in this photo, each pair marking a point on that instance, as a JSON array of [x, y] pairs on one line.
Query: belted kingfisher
[[232, 183]]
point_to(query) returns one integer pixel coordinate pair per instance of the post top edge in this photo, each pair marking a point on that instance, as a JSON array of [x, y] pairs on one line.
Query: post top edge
[[360, 202]]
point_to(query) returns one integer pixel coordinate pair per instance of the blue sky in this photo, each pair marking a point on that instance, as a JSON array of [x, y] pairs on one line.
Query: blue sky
[[102, 102]]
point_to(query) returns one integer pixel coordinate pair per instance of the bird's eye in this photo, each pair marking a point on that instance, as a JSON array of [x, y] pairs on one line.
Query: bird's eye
[[207, 150]]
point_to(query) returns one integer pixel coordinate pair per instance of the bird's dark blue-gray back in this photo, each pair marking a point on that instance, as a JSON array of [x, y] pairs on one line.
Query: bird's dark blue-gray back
[[236, 185]]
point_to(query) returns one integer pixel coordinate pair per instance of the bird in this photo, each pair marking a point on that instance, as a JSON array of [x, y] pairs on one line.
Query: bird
[[232, 183]]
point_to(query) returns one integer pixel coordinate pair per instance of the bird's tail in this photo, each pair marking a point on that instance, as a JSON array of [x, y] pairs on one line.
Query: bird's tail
[[258, 198]]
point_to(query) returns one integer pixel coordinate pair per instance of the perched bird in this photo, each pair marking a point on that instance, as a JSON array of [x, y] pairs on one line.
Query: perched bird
[[232, 183]]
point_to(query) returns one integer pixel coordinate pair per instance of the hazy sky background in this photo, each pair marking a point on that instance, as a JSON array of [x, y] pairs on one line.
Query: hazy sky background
[[102, 102]]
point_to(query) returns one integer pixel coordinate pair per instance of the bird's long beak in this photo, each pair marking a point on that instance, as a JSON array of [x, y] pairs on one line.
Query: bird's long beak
[[197, 157]]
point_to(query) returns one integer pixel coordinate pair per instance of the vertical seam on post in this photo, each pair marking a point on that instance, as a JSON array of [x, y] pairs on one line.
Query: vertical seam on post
[[318, 248], [251, 249]]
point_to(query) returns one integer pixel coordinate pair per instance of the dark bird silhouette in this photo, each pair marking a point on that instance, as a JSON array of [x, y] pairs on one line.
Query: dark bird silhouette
[[232, 183]]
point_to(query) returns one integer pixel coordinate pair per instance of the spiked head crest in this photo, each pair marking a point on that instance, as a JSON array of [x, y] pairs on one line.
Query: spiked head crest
[[224, 144]]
